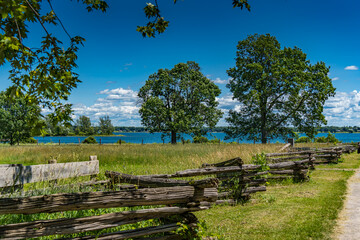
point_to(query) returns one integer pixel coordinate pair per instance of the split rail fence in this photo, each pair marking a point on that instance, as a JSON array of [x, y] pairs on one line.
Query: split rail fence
[[167, 199]]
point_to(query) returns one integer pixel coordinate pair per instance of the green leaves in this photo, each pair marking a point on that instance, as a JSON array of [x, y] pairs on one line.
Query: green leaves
[[44, 72], [180, 100], [158, 24], [276, 88], [241, 4], [19, 118]]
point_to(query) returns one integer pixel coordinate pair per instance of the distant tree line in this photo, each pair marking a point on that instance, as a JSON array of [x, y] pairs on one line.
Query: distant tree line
[[81, 127]]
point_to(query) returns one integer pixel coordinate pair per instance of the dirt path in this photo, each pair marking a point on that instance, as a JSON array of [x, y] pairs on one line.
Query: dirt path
[[349, 219]]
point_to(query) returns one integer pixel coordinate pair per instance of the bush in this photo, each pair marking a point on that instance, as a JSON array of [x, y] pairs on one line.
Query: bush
[[89, 140], [30, 140], [185, 141], [321, 140], [303, 140], [215, 140], [200, 139], [332, 139]]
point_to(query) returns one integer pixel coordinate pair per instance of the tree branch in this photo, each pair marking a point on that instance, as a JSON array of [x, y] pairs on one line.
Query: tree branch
[[38, 17], [287, 116], [49, 1]]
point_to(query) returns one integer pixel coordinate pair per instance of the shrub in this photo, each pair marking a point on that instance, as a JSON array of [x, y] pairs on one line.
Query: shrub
[[200, 139], [29, 140], [215, 140], [331, 138], [303, 140], [185, 141], [89, 140], [321, 140]]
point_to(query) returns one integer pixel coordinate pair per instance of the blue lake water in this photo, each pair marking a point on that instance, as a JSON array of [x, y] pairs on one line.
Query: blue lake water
[[145, 137]]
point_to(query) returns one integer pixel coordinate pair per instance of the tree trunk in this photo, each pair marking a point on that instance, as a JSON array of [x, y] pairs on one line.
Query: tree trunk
[[173, 137]]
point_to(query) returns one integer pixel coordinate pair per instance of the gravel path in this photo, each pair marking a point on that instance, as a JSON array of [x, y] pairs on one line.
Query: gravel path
[[349, 220]]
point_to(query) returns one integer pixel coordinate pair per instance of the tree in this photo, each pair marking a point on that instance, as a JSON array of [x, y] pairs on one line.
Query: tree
[[54, 128], [44, 73], [180, 100], [106, 127], [83, 126], [276, 88], [19, 119]]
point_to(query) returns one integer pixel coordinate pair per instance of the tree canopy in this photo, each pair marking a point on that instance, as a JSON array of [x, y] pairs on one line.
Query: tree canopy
[[276, 89], [105, 126], [19, 119], [180, 100], [83, 126]]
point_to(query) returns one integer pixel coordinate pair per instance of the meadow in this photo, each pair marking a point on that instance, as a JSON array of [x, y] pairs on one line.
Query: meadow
[[285, 211]]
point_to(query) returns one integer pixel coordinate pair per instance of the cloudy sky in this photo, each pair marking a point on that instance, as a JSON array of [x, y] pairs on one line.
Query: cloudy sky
[[116, 60]]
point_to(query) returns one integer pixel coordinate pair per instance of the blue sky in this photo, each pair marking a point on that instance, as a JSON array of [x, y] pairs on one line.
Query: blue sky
[[116, 60]]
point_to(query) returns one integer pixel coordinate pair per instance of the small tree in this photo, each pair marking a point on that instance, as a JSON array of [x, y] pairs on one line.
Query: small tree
[[83, 126], [19, 119], [276, 89], [105, 125], [180, 100]]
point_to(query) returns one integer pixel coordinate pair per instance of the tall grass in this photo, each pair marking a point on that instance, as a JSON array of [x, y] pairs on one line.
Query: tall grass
[[136, 158]]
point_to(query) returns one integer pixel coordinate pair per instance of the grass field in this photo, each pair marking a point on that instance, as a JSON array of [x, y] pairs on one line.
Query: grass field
[[285, 211]]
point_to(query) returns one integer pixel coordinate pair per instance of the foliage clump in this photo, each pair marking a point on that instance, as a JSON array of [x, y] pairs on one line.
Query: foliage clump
[[276, 88], [303, 139], [89, 140], [180, 100], [200, 139]]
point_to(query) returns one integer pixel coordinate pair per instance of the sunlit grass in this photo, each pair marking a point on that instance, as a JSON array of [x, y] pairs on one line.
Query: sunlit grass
[[285, 211]]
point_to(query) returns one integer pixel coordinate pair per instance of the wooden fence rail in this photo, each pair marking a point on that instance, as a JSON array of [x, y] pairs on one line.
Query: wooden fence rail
[[190, 196], [17, 174]]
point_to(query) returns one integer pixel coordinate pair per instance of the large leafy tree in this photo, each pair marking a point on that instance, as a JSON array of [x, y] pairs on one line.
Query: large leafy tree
[[105, 126], [19, 119], [180, 100], [44, 73], [276, 89]]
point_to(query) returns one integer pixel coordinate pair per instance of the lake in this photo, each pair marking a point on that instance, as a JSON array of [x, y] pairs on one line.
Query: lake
[[139, 137]]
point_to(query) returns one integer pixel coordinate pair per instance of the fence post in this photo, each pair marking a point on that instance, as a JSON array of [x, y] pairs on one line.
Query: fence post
[[142, 141], [53, 161], [120, 141], [311, 163], [79, 140], [59, 141], [37, 141], [163, 141], [93, 158]]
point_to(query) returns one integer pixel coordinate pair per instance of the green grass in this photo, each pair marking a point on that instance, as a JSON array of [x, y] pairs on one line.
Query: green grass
[[135, 158], [285, 211]]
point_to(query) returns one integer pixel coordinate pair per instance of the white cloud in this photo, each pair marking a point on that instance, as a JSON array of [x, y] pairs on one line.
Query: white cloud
[[343, 109], [119, 93], [220, 81], [119, 104], [335, 78], [352, 67]]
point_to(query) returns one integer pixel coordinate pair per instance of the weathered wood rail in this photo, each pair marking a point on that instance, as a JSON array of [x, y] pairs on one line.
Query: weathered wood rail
[[189, 196], [322, 156], [18, 174]]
